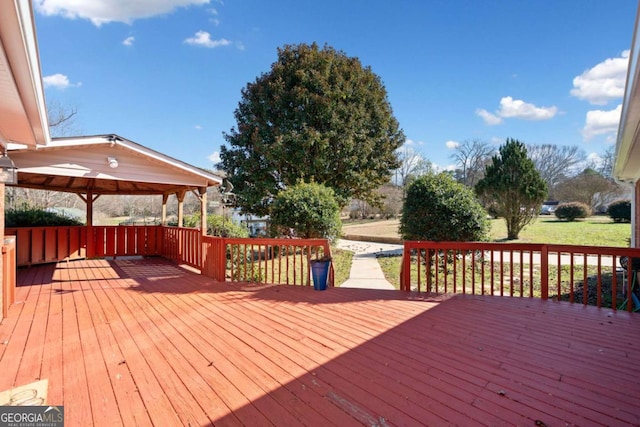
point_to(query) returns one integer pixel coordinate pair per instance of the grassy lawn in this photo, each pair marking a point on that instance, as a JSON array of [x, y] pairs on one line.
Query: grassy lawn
[[341, 260], [593, 231]]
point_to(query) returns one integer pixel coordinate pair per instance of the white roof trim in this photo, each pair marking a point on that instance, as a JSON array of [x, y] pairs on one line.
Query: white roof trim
[[66, 143], [22, 74], [627, 157]]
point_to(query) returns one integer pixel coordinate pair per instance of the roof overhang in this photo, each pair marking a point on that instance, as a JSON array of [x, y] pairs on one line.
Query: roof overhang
[[82, 164], [23, 115], [627, 163]]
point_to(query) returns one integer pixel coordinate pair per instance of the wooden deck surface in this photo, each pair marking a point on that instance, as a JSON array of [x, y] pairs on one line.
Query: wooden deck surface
[[145, 342]]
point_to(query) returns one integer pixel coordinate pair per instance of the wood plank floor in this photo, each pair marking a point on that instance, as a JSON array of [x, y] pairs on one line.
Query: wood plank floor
[[145, 342]]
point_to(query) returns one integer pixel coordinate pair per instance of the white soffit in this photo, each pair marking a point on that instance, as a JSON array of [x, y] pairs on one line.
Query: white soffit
[[23, 116]]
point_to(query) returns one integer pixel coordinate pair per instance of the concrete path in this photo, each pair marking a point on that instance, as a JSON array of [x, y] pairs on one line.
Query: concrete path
[[365, 269]]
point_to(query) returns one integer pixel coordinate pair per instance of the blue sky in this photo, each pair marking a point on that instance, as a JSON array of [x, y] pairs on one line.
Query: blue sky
[[168, 73]]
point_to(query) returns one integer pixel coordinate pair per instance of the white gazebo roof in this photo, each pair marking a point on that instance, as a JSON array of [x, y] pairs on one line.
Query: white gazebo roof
[[106, 164]]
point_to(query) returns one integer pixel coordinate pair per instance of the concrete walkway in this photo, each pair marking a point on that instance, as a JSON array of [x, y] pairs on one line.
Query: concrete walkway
[[365, 270]]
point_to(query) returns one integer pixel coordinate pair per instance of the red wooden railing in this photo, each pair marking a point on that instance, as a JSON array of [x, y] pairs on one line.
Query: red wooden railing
[[183, 246], [126, 240], [583, 274], [273, 261], [37, 245], [7, 296]]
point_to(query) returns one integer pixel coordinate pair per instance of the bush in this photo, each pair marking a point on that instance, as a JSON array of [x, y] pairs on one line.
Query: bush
[[30, 217], [620, 211], [310, 210], [440, 209], [217, 225], [572, 211]]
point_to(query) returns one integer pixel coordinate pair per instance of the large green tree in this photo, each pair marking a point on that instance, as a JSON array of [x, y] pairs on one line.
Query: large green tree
[[316, 116], [513, 187]]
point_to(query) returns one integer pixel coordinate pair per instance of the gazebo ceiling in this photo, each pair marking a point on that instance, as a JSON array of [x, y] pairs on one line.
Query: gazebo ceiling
[[106, 164]]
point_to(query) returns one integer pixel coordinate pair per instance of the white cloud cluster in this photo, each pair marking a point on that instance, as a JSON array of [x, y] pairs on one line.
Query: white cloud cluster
[[58, 81], [598, 85], [104, 11], [452, 145], [516, 108], [203, 38], [215, 157], [129, 41], [604, 82], [602, 122]]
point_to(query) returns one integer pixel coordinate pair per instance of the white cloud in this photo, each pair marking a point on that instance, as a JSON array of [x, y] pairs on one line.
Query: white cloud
[[595, 158], [490, 119], [197, 127], [104, 11], [203, 38], [129, 41], [215, 157], [516, 108], [58, 81], [412, 142], [519, 109], [600, 122], [451, 145], [603, 82]]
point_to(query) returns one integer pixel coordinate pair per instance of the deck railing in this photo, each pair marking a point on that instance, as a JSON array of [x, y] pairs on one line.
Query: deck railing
[[581, 274], [7, 290], [183, 245], [38, 245], [119, 240], [272, 261]]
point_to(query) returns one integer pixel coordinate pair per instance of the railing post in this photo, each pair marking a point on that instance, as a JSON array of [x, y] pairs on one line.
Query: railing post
[[405, 272], [544, 272]]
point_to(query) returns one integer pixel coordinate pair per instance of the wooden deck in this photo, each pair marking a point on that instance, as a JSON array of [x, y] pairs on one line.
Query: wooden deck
[[146, 342]]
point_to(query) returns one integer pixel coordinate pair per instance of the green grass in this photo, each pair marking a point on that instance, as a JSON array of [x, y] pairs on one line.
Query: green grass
[[341, 265], [592, 231]]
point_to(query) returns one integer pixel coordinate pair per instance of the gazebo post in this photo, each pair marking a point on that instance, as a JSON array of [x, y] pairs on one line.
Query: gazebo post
[[89, 202], [180, 195], [203, 210], [165, 198]]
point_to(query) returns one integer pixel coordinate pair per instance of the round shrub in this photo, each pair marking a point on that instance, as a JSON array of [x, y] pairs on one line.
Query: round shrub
[[309, 209], [29, 217], [438, 208], [620, 211], [572, 211], [217, 225]]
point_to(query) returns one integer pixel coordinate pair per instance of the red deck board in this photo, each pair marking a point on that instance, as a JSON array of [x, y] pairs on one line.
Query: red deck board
[[245, 363], [151, 343]]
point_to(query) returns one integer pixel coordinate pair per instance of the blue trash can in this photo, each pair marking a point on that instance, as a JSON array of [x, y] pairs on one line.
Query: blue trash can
[[319, 273]]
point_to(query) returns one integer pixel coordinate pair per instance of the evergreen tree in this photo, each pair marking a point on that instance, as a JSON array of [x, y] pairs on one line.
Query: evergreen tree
[[513, 187]]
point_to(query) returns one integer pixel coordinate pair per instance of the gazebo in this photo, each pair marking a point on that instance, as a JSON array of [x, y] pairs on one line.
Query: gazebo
[[92, 166]]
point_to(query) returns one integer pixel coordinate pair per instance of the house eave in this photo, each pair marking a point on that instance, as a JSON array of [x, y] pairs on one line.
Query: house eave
[[23, 114]]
